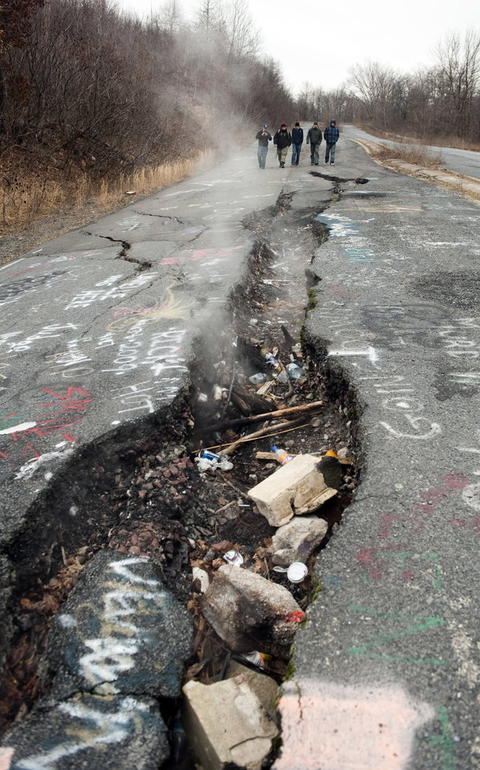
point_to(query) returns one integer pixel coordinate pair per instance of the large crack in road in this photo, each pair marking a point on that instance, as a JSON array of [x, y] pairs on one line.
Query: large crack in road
[[136, 490]]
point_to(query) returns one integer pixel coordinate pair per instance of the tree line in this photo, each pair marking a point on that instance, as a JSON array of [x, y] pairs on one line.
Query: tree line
[[105, 92], [440, 101]]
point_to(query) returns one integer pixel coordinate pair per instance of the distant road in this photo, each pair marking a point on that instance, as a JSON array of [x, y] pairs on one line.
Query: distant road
[[462, 161]]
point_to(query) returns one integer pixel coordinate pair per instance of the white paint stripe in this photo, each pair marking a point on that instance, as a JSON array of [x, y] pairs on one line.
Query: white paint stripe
[[17, 428], [10, 264]]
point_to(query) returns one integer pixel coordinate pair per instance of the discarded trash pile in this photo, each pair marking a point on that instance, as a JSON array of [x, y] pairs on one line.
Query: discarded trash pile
[[249, 595]]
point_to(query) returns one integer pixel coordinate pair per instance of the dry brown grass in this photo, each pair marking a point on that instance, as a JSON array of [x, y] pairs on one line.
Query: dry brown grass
[[28, 200], [410, 153]]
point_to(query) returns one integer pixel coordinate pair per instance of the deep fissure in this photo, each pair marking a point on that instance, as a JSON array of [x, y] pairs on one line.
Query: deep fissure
[[104, 476]]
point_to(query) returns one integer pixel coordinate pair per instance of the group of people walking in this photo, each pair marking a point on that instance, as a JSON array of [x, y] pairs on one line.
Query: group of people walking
[[284, 139]]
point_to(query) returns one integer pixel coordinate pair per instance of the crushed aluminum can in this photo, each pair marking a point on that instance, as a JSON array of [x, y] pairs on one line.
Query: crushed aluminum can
[[297, 572], [233, 557]]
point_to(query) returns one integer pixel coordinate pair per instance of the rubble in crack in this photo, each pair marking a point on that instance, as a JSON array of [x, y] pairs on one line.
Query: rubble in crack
[[296, 541], [257, 413], [231, 722], [249, 612], [296, 488]]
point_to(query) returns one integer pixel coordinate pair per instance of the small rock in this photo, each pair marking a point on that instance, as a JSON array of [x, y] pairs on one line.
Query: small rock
[[251, 613], [202, 576], [227, 724], [343, 452], [297, 540]]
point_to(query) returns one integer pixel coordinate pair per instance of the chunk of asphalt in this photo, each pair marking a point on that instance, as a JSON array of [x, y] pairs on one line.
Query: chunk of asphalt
[[101, 733], [120, 631]]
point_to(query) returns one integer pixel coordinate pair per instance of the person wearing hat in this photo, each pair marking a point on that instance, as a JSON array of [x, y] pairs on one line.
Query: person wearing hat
[[314, 139], [283, 140], [297, 141], [263, 137], [331, 135]]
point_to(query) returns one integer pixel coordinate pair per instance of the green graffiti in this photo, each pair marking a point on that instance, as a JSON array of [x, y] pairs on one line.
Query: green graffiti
[[444, 740], [411, 626]]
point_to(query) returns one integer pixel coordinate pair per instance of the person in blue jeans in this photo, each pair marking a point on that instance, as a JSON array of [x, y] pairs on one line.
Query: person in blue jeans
[[263, 137], [331, 135], [297, 141]]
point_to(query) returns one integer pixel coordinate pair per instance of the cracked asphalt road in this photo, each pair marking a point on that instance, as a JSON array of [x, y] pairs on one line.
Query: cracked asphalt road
[[98, 334], [389, 662]]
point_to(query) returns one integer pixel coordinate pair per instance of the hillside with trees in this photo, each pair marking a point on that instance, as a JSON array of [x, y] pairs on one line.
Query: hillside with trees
[[88, 94]]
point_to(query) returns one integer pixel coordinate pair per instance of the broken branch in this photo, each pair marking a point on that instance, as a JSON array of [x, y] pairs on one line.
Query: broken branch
[[266, 416]]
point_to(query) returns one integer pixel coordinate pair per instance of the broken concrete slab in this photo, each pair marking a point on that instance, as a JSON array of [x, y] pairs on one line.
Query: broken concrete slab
[[296, 488], [265, 688], [296, 540], [101, 733], [226, 723], [119, 632], [251, 613]]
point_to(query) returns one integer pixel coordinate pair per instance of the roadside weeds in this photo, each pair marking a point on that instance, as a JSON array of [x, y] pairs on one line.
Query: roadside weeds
[[410, 163]]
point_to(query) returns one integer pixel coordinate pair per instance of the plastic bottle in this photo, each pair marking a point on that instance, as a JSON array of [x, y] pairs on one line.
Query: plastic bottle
[[282, 455]]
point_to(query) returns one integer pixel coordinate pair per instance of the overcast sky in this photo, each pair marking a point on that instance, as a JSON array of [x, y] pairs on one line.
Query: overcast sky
[[319, 41]]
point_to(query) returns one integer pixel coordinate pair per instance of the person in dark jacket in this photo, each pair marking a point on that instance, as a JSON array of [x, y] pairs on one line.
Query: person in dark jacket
[[264, 137], [314, 139], [283, 140], [297, 141], [331, 135]]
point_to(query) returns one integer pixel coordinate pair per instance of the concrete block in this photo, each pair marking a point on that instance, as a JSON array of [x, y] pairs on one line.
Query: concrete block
[[251, 613], [296, 488], [265, 688], [297, 540], [226, 723]]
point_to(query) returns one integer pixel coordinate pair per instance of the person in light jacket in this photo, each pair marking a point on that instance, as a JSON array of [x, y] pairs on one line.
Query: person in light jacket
[[283, 140], [314, 139], [297, 141], [331, 135], [263, 137]]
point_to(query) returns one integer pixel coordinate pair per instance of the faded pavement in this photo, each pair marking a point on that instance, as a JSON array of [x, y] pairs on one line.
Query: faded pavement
[[387, 667], [388, 664], [98, 328]]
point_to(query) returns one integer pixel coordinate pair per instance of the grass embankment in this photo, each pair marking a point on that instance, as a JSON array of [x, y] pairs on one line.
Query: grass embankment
[[28, 197], [432, 141]]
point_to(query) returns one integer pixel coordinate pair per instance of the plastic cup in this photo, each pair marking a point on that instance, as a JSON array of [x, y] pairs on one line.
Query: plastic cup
[[297, 572]]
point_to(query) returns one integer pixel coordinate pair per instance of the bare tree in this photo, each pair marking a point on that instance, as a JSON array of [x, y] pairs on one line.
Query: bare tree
[[459, 73]]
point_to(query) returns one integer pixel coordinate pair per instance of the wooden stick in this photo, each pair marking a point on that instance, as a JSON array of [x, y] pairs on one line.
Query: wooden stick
[[269, 430], [246, 439], [265, 416]]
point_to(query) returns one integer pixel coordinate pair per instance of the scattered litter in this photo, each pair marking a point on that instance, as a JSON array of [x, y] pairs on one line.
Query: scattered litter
[[281, 455], [218, 392], [233, 557], [130, 192], [295, 372], [258, 379], [202, 398], [209, 461], [297, 572]]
